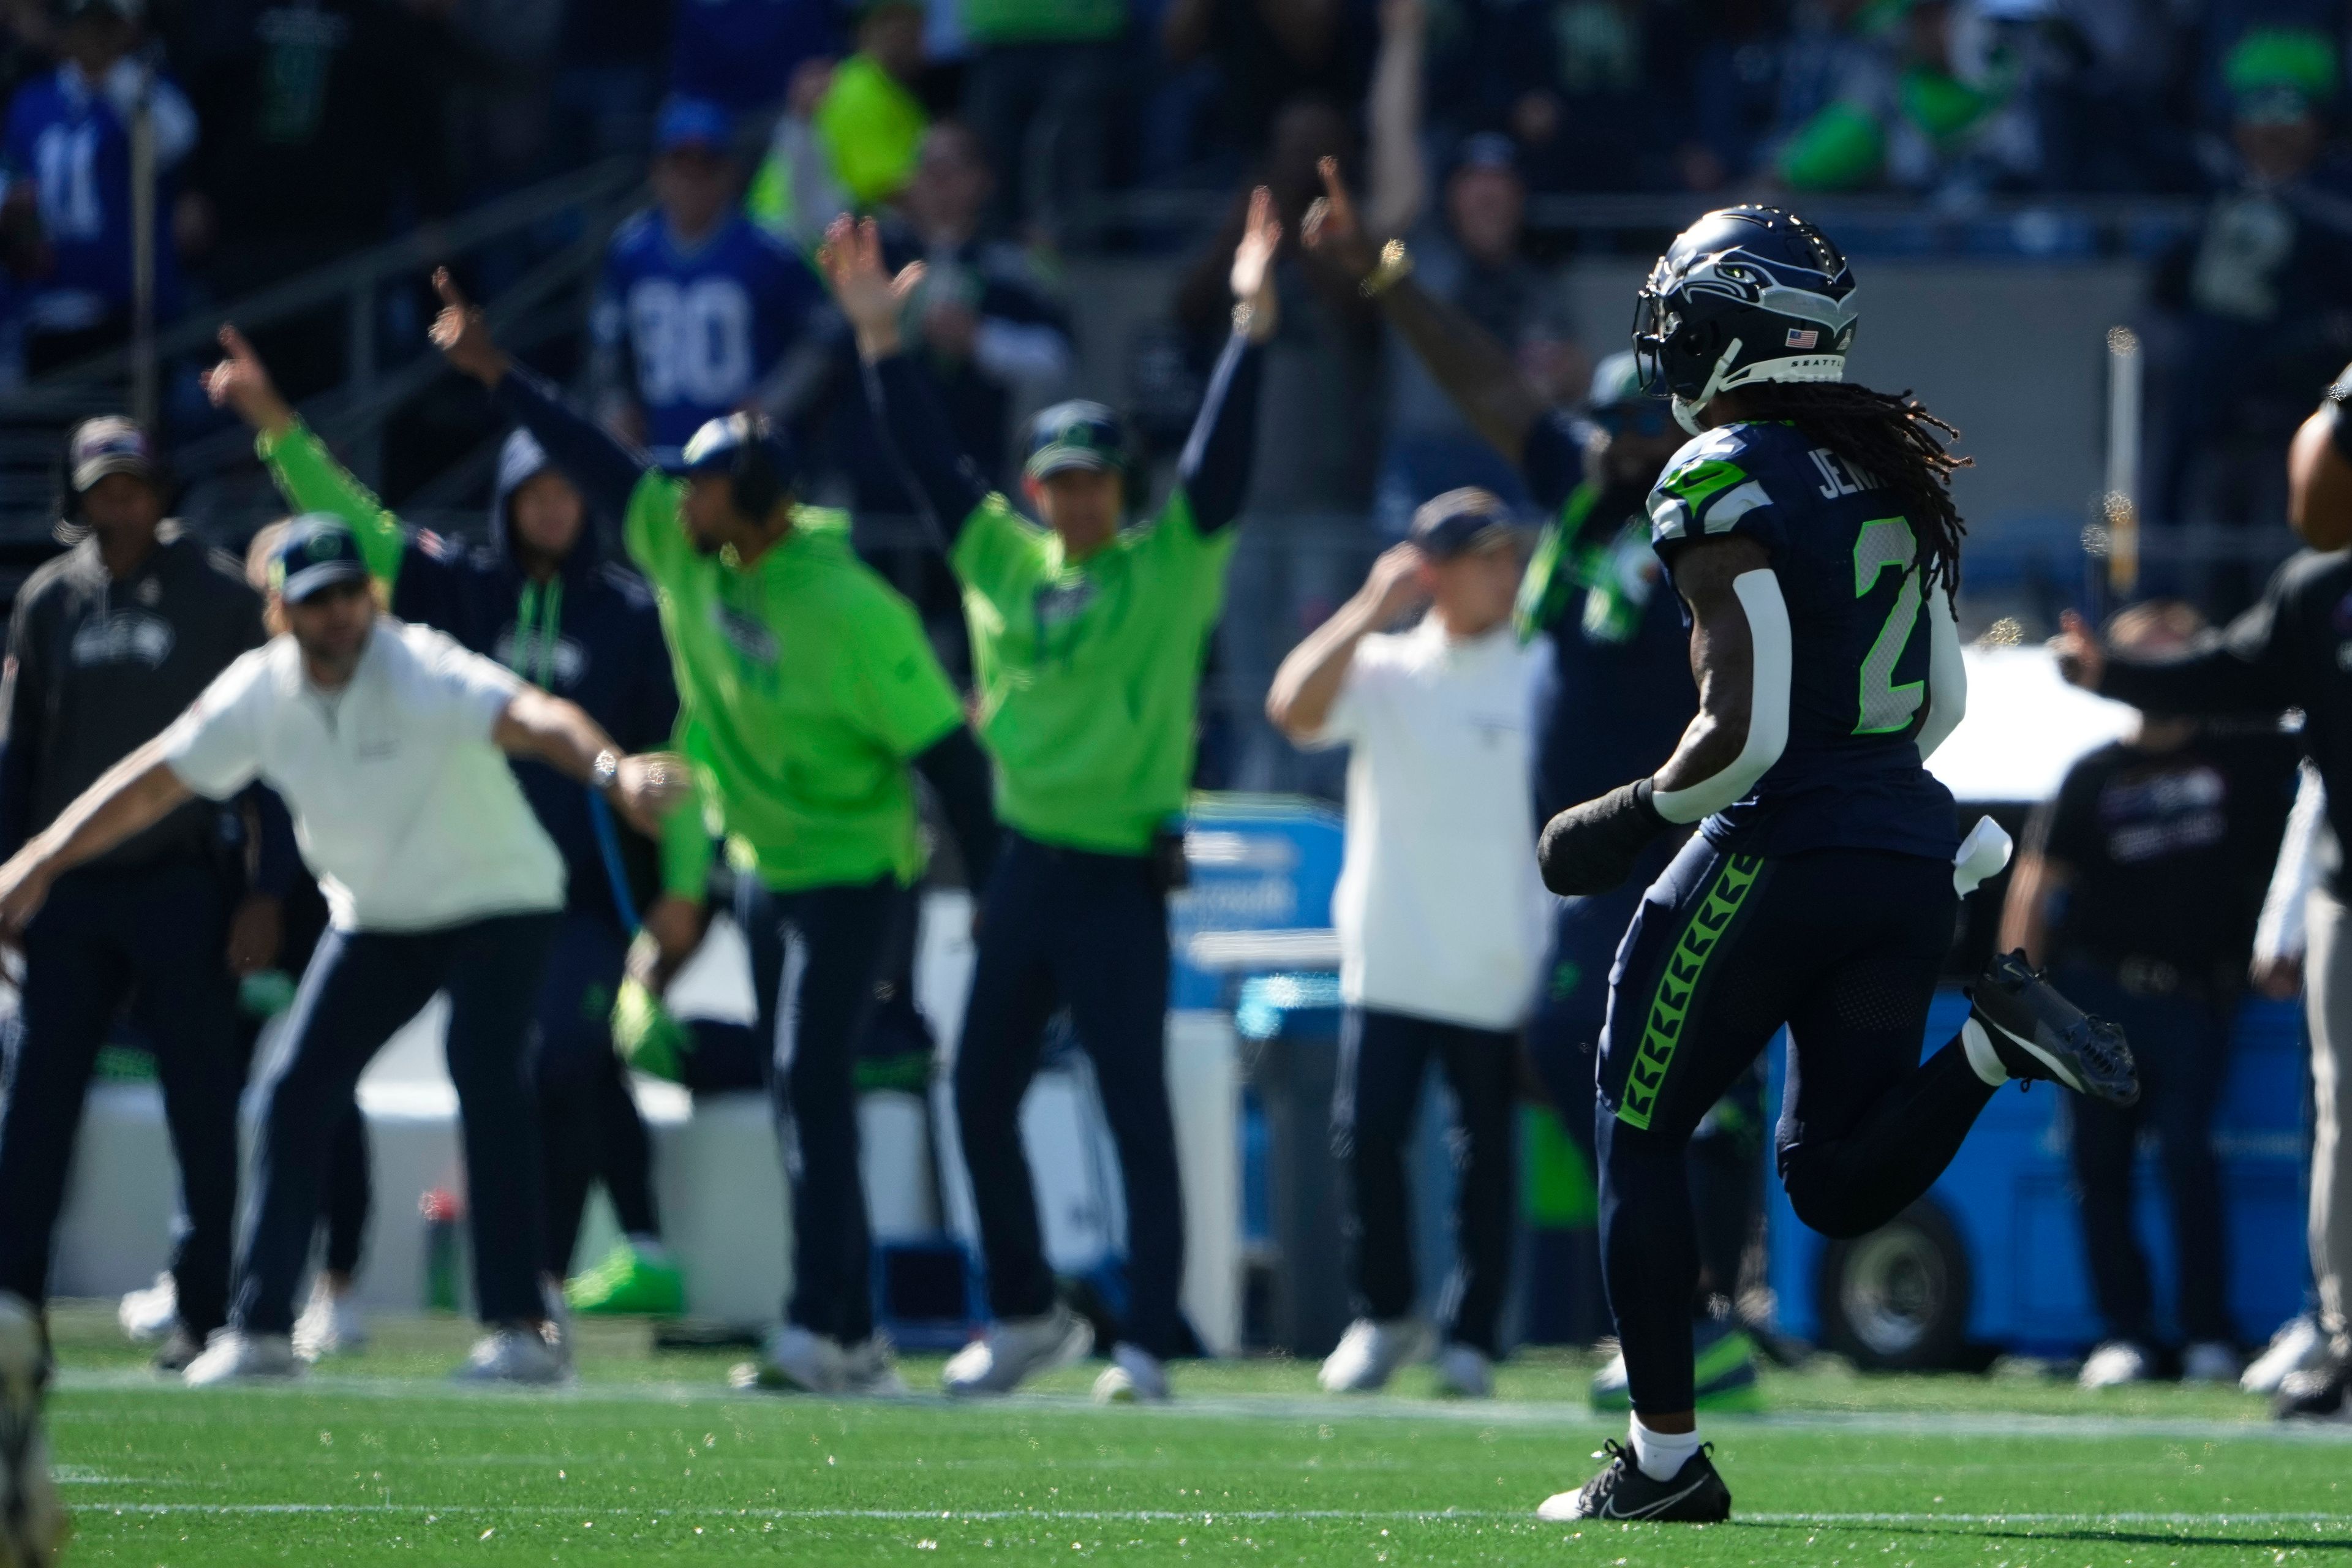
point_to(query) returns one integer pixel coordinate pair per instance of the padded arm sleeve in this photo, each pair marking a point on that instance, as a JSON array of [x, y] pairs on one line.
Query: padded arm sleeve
[[1768, 706], [1947, 674]]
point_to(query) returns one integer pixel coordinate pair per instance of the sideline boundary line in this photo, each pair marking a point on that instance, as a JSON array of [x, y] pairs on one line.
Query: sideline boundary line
[[1559, 1416]]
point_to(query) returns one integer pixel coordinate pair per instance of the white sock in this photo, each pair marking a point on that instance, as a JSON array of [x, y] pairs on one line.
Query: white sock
[[1662, 1455], [1982, 1056], [647, 1246]]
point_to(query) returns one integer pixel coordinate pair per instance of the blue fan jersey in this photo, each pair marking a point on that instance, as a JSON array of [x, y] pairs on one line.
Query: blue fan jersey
[[73, 143], [700, 329], [1845, 556]]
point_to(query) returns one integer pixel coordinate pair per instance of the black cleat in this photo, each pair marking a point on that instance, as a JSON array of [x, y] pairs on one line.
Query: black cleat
[[2038, 1034], [1695, 1494], [2322, 1392]]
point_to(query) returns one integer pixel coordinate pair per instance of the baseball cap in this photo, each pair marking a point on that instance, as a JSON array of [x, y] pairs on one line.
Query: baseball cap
[[714, 447], [1460, 522], [1489, 150], [317, 552], [2279, 73], [692, 122], [1078, 434], [110, 444]]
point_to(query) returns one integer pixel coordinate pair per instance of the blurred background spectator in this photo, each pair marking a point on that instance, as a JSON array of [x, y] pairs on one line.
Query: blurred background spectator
[[2140, 887], [1038, 89], [2261, 300], [67, 211], [701, 312], [849, 134]]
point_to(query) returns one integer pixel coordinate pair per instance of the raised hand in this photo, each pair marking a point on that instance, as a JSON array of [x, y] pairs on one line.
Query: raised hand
[[241, 383], [463, 336], [1332, 230], [1252, 275], [1396, 583], [2081, 658], [874, 300]]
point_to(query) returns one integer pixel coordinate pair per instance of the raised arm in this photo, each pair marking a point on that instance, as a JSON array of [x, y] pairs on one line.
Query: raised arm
[[1216, 466], [1311, 677], [1740, 657], [306, 474], [2244, 668], [132, 795], [605, 470], [1400, 168], [942, 479], [1464, 358]]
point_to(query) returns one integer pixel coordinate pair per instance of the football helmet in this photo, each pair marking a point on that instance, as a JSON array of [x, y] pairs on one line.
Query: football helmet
[[1745, 294]]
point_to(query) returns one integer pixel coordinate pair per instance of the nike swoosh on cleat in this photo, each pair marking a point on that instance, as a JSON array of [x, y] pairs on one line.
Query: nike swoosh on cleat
[[2052, 1063], [1610, 1509]]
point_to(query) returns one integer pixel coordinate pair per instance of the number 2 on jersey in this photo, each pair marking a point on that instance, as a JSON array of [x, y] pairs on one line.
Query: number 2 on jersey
[[1886, 707]]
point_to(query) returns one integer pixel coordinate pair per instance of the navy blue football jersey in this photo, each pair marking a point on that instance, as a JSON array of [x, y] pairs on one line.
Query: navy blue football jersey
[[704, 325], [1846, 557]]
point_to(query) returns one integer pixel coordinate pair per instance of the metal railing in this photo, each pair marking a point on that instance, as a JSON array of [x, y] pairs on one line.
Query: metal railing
[[356, 411]]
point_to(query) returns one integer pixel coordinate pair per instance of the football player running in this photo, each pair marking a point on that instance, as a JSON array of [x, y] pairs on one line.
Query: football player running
[[1810, 531]]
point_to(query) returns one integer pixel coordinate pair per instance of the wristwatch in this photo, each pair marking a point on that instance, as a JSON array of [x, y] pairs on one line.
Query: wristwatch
[[605, 772], [2338, 396]]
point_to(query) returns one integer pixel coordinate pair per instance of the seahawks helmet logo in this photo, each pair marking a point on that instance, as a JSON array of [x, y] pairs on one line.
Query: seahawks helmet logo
[[1747, 294]]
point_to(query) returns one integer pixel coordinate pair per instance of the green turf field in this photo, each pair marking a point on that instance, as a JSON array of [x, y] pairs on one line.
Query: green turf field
[[650, 1460]]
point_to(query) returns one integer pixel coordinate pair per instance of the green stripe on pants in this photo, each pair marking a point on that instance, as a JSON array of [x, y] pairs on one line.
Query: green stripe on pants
[[1677, 983]]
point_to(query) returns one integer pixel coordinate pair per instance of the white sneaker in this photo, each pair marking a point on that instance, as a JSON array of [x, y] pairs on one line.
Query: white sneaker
[[2298, 1346], [1135, 1376], [2114, 1363], [1371, 1352], [31, 1523], [1465, 1373], [1016, 1349], [868, 1370], [514, 1352], [2208, 1360], [1613, 1386], [232, 1355], [150, 1315], [798, 1360], [329, 1324]]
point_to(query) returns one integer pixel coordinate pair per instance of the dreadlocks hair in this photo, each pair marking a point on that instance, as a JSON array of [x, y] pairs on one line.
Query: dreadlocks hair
[[1892, 436]]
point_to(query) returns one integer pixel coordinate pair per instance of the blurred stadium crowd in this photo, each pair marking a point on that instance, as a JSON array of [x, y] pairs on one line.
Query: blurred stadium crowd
[[1002, 137]]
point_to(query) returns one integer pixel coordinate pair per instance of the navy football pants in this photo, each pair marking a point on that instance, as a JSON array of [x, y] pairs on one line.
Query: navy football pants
[[589, 1127], [1065, 928], [161, 932], [1726, 1166], [1383, 1059], [357, 990], [1843, 947], [816, 957]]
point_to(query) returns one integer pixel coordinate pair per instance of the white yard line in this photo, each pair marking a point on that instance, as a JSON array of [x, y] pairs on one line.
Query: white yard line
[[1211, 1515]]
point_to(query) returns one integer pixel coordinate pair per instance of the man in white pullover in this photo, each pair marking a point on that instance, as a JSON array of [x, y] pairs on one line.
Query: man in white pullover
[[1439, 909], [389, 744]]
